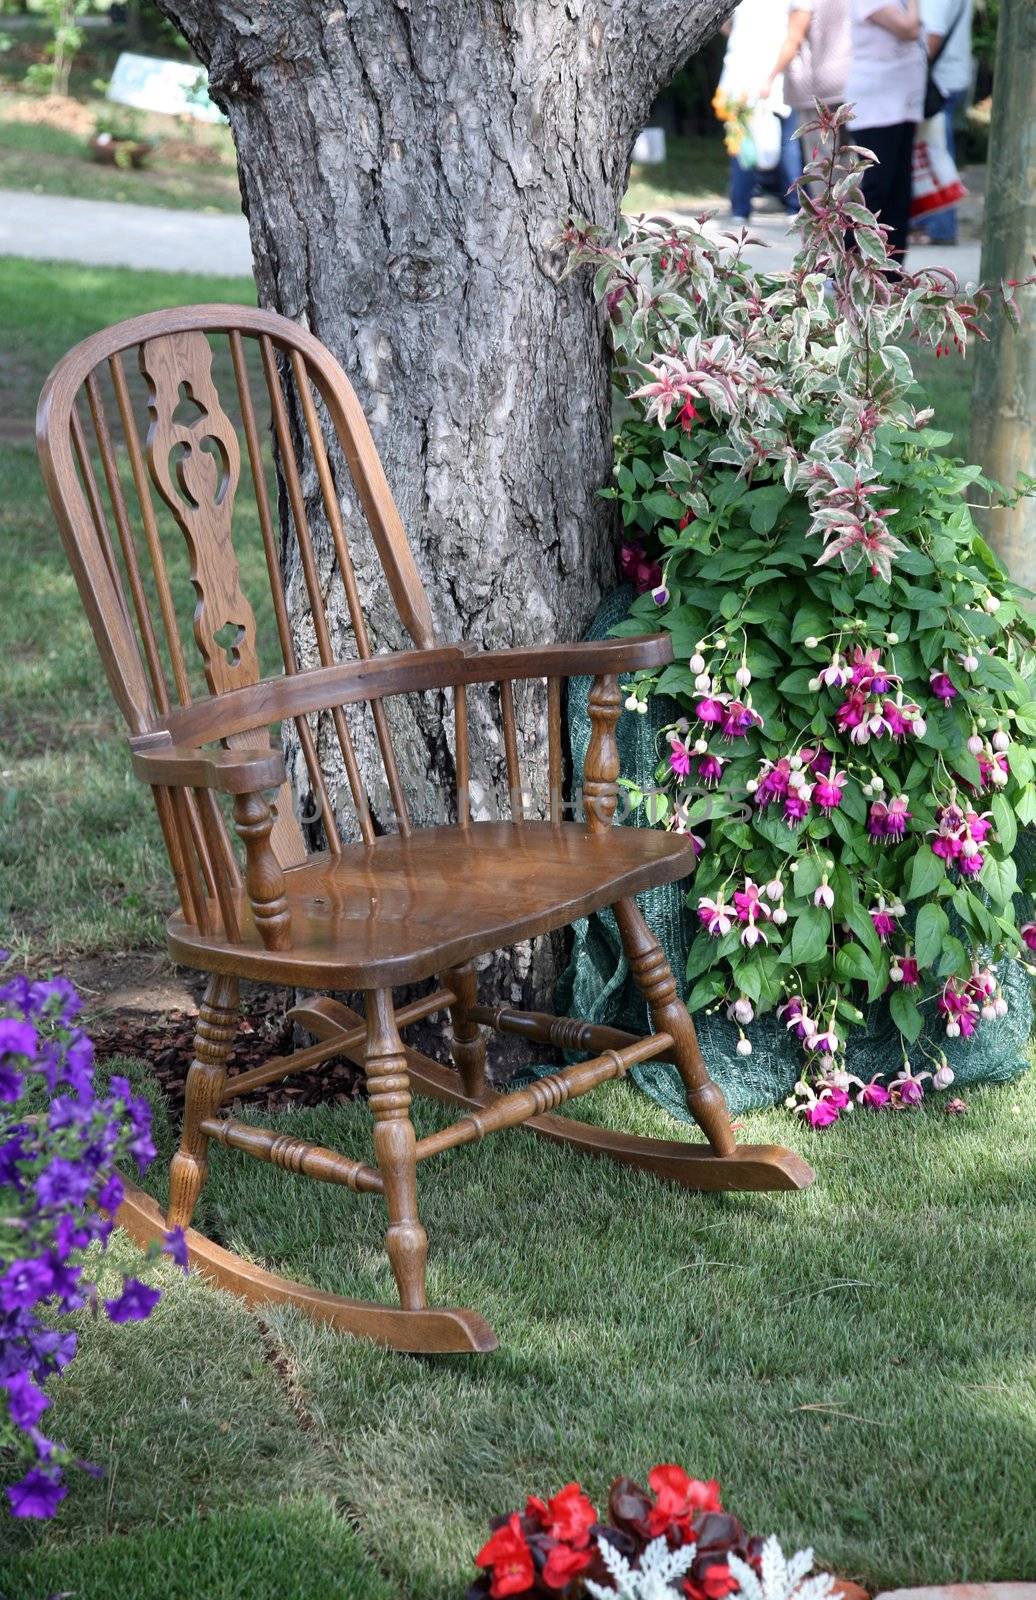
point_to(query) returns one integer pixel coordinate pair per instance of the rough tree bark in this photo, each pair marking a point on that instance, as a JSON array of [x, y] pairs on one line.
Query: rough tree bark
[[1003, 429], [406, 167]]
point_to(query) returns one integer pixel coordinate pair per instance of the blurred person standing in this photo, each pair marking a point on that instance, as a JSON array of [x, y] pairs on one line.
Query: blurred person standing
[[756, 32], [814, 56], [947, 30], [886, 86]]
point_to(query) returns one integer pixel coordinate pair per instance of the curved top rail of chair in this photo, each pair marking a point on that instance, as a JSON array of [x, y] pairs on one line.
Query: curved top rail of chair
[[54, 441], [399, 672]]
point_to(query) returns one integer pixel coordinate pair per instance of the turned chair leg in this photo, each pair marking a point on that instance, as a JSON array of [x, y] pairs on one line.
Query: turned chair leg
[[388, 1086], [214, 1036], [468, 1041], [656, 983]]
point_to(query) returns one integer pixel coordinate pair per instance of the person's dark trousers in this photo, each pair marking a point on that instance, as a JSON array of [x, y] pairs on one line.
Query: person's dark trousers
[[887, 186], [942, 228], [744, 185]]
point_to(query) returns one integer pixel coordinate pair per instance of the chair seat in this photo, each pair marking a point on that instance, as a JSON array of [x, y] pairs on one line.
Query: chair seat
[[405, 909]]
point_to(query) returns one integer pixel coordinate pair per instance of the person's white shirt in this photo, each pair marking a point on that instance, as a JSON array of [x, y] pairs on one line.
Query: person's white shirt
[[756, 35], [952, 71], [886, 75]]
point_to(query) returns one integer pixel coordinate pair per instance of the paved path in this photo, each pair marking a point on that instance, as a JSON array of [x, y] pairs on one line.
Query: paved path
[[107, 233]]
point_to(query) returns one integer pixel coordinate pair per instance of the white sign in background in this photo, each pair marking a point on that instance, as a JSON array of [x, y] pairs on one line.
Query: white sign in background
[[177, 88]]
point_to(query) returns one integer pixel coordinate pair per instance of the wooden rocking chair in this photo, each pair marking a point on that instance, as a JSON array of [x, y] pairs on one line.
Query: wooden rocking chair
[[387, 910]]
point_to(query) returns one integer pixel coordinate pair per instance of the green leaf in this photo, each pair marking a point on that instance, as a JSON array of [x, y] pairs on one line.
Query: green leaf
[[933, 926], [1006, 826], [806, 875], [706, 990], [1000, 878], [860, 922], [748, 977], [1025, 805], [927, 872], [905, 1015], [954, 959], [811, 933], [703, 952], [852, 962]]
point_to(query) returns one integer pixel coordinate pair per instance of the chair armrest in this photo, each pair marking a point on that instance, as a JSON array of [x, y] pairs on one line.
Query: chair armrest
[[230, 771], [592, 658]]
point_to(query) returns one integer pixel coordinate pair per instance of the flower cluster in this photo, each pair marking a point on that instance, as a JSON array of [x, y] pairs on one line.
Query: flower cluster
[[854, 676], [59, 1142], [559, 1547]]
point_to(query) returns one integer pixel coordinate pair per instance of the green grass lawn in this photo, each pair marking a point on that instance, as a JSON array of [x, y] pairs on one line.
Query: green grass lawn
[[856, 1363]]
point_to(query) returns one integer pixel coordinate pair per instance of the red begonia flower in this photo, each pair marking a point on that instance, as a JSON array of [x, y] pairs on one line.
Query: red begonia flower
[[562, 1565], [509, 1558]]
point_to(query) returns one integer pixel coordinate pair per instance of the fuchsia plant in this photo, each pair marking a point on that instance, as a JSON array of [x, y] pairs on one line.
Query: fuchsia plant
[[857, 680]]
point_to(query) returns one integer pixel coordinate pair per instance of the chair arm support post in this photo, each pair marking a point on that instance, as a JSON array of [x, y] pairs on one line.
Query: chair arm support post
[[601, 767], [264, 879]]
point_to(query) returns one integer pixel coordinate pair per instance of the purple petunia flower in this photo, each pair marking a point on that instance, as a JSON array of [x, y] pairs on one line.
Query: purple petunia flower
[[25, 1282], [38, 1494], [10, 1083], [63, 1183], [16, 1038], [176, 1247], [134, 1304], [25, 1403]]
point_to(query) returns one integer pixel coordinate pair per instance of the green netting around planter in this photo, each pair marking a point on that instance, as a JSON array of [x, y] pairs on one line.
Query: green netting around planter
[[598, 986]]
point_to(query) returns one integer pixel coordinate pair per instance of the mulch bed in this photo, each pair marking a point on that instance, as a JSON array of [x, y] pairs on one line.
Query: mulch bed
[[165, 1040]]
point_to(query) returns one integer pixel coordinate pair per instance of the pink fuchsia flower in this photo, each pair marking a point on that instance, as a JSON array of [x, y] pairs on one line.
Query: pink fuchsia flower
[[993, 772], [955, 1108], [824, 1042], [749, 902], [867, 672], [824, 895], [889, 821], [679, 758], [710, 769], [874, 1095], [942, 688], [883, 917], [660, 595], [774, 782], [1028, 933], [794, 1010], [943, 1076], [738, 720], [970, 862], [637, 568], [687, 416], [715, 917], [979, 825], [899, 719], [742, 1010], [835, 1095], [796, 804], [852, 713], [905, 970], [827, 792], [908, 1090], [821, 1114], [836, 674], [711, 709]]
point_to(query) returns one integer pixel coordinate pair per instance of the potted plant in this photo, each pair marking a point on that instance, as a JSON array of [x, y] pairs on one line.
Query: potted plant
[[119, 140]]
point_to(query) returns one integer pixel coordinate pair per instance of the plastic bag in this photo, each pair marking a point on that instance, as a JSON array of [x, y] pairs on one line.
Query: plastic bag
[[761, 146], [936, 181]]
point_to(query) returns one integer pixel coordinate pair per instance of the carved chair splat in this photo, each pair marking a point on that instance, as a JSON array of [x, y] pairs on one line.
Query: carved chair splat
[[382, 909]]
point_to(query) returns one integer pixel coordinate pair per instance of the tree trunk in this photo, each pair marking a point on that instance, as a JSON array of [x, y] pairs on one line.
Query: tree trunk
[[1003, 436], [407, 166]]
